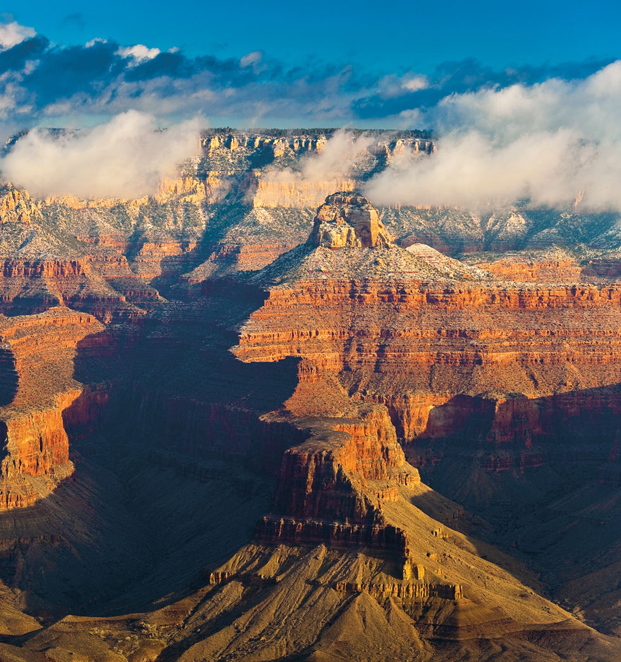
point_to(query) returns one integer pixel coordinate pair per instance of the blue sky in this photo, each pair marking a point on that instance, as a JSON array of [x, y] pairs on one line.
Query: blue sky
[[285, 63], [392, 35]]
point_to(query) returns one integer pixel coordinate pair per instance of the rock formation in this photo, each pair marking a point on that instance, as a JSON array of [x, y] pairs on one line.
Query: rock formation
[[348, 220], [38, 354], [222, 411]]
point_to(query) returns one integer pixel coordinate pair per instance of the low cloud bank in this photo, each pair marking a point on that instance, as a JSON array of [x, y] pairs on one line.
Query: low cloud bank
[[472, 171], [336, 160], [551, 134], [126, 158], [317, 175], [552, 143]]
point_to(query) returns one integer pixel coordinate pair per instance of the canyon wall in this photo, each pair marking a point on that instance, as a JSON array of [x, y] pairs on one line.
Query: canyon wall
[[247, 198], [39, 385], [503, 366], [285, 401]]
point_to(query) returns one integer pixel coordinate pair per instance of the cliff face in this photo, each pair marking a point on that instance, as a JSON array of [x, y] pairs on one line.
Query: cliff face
[[39, 385], [332, 485], [415, 345], [513, 374], [247, 198], [296, 193]]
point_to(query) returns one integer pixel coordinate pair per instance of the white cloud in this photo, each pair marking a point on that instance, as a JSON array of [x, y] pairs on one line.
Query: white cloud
[[319, 173], [138, 53], [252, 58], [414, 83], [14, 99], [337, 158], [13, 33], [126, 157], [468, 170], [394, 86], [97, 40], [547, 142]]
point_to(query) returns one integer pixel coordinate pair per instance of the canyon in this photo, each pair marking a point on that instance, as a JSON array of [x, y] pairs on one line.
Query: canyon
[[256, 417]]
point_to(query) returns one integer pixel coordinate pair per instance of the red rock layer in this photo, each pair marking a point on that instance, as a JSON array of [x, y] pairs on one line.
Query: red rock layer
[[536, 271], [415, 346], [343, 470], [31, 286], [41, 350], [332, 485]]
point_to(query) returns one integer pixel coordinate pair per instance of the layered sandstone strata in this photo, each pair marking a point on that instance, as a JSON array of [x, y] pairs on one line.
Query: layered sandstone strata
[[38, 357], [296, 192], [353, 556], [348, 484], [245, 200], [333, 485], [447, 348]]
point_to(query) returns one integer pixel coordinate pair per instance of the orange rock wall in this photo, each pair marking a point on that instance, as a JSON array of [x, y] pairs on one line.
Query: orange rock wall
[[540, 271], [414, 347], [42, 349]]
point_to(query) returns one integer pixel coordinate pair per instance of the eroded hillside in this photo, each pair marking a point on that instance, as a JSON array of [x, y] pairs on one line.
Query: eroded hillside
[[242, 423]]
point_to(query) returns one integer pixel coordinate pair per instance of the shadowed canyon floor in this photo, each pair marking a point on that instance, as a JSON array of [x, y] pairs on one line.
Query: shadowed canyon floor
[[238, 429]]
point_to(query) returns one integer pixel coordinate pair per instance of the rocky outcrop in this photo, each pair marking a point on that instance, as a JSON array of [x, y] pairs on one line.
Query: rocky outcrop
[[332, 486], [17, 206], [344, 469], [348, 220], [39, 385]]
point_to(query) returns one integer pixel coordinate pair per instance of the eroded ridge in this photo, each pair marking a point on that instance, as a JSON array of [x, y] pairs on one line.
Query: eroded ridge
[[38, 354], [367, 321]]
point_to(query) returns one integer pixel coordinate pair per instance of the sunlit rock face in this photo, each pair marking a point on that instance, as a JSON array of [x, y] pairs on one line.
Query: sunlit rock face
[[17, 206], [348, 220]]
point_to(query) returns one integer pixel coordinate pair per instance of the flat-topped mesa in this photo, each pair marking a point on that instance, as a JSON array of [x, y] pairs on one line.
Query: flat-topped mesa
[[348, 220]]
